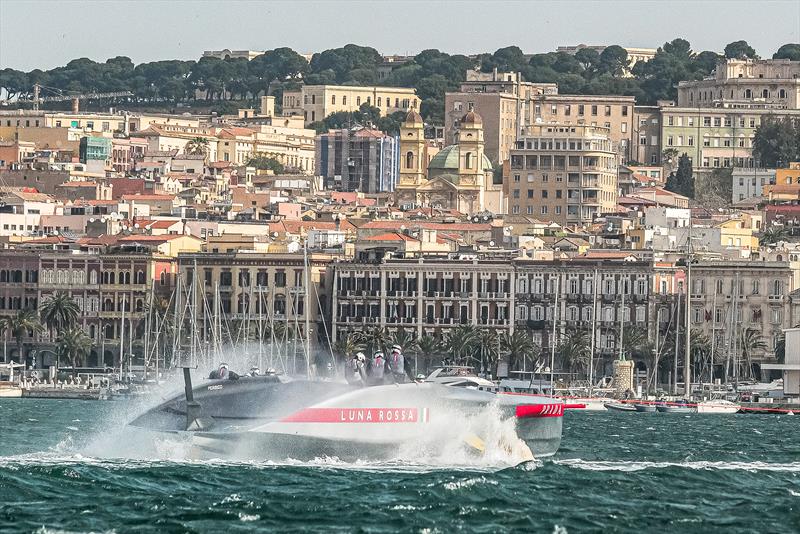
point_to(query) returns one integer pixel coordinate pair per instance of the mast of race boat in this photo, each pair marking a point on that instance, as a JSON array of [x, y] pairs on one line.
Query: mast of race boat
[[122, 339], [307, 308]]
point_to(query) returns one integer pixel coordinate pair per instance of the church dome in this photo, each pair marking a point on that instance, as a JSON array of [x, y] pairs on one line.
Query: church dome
[[413, 117], [446, 162], [472, 118]]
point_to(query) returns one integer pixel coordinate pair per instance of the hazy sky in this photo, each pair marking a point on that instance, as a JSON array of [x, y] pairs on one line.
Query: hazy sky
[[45, 34]]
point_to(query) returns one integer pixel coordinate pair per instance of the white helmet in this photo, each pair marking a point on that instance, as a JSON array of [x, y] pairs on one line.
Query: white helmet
[[396, 348], [361, 356]]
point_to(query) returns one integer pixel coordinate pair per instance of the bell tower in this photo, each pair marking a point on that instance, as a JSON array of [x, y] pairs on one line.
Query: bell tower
[[470, 150], [412, 158]]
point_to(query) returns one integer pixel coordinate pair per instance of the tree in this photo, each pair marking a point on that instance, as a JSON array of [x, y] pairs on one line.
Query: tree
[[487, 347], [346, 346], [777, 142], [461, 342], [682, 181], [376, 340], [518, 347], [428, 347], [573, 351], [74, 345], [740, 50], [23, 323], [716, 189], [198, 145], [614, 60], [262, 161], [59, 312], [788, 51], [772, 235], [751, 342]]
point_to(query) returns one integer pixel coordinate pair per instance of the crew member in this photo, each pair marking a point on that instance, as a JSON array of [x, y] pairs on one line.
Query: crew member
[[397, 364], [377, 368], [355, 372], [223, 373]]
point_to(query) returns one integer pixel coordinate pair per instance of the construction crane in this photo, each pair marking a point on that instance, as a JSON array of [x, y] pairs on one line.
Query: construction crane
[[38, 99]]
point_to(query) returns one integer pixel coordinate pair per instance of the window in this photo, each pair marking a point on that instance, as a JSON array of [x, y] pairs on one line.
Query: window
[[608, 111], [544, 194], [580, 109], [624, 127], [344, 100], [690, 140], [594, 110], [544, 210], [567, 110], [358, 101], [624, 111], [333, 99]]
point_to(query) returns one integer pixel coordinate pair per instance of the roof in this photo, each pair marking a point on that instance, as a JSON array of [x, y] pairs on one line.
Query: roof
[[366, 132], [77, 184], [391, 236], [444, 227], [149, 238], [413, 117], [471, 118], [448, 159], [139, 196], [161, 225]]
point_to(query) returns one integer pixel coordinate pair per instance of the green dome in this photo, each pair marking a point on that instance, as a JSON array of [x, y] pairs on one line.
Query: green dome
[[446, 160]]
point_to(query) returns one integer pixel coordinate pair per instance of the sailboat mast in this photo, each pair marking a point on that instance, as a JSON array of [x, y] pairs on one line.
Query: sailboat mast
[[553, 340], [622, 319], [122, 338], [594, 330], [307, 308], [687, 368]]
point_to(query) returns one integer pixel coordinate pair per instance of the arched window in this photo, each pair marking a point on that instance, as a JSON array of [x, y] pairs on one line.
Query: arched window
[[765, 93], [140, 277], [748, 93], [139, 305], [4, 276], [522, 313], [409, 160], [468, 160], [782, 93], [93, 277]]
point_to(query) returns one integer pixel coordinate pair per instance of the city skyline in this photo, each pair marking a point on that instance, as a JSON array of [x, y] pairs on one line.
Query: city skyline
[[329, 25]]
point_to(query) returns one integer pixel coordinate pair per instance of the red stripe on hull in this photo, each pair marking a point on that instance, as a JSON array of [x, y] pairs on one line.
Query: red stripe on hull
[[539, 410]]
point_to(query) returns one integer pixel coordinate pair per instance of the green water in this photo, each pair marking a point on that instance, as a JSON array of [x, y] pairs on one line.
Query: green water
[[70, 466]]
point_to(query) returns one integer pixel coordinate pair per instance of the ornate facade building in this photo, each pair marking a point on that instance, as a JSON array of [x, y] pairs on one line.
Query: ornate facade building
[[459, 177]]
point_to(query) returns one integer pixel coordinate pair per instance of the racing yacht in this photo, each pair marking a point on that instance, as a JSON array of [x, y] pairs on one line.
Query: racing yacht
[[278, 417]]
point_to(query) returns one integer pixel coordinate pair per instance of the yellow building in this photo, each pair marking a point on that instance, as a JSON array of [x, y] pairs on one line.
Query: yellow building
[[315, 102], [459, 177]]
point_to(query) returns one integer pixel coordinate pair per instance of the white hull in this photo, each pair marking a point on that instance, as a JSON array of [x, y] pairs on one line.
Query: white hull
[[10, 393], [717, 407], [593, 404]]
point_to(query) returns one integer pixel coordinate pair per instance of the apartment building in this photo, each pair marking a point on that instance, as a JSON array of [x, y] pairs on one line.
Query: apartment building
[[360, 159], [646, 138], [748, 83], [254, 286], [749, 183], [715, 137], [433, 295], [616, 113], [499, 98], [225, 53], [563, 173], [315, 102], [729, 298]]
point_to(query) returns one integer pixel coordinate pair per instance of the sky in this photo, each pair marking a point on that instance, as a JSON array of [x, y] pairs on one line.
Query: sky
[[45, 33]]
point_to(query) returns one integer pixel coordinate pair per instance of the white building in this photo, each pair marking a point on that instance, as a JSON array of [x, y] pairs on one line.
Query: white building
[[791, 365], [749, 183]]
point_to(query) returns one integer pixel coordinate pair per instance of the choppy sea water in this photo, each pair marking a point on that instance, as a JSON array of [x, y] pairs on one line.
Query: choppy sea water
[[71, 466]]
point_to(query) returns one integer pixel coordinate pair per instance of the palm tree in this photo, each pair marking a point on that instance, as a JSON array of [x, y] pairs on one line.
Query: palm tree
[[59, 312], [751, 342], [573, 351], [488, 348], [427, 347], [74, 344], [461, 343], [346, 346], [772, 235], [700, 345], [198, 145], [403, 338], [19, 326], [376, 340], [518, 346]]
